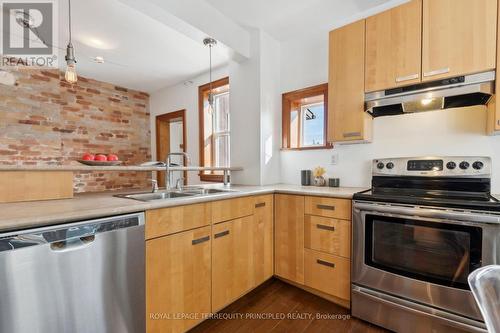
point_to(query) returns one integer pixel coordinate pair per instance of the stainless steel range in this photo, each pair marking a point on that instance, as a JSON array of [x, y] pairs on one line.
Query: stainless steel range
[[425, 225]]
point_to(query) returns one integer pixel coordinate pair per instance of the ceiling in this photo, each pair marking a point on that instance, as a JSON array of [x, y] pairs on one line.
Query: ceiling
[[286, 20], [144, 53]]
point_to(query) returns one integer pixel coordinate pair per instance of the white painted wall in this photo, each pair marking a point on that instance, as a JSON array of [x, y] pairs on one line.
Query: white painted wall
[[448, 132], [180, 97]]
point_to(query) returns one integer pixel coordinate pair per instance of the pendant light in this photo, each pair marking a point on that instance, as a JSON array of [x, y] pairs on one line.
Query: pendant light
[[70, 75], [210, 42]]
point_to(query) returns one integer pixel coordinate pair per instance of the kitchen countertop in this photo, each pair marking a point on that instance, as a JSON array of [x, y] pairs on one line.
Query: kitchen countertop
[[23, 215], [78, 167]]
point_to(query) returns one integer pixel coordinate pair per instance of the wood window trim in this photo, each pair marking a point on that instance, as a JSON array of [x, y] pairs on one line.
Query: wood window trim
[[167, 117], [287, 99], [201, 116]]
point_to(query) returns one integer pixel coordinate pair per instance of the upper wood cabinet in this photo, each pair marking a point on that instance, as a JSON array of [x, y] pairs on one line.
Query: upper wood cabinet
[[289, 237], [178, 280], [459, 37], [394, 47], [347, 120]]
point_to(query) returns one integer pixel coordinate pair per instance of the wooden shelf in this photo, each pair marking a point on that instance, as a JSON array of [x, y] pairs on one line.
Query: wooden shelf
[[82, 168]]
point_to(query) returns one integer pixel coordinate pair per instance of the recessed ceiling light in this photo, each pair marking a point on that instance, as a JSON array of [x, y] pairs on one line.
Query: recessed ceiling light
[[98, 60]]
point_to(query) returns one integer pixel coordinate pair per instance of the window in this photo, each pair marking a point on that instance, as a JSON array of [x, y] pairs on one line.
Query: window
[[214, 129], [305, 116]]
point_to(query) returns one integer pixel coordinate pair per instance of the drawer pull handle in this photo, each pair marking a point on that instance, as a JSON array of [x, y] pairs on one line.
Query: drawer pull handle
[[351, 134], [437, 72], [221, 234], [327, 207], [260, 204], [325, 263], [407, 78], [325, 227], [200, 240]]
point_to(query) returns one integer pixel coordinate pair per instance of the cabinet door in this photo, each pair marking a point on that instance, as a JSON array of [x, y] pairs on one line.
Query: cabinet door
[[232, 260], [394, 47], [178, 279], [347, 120], [263, 238], [289, 237], [459, 37]]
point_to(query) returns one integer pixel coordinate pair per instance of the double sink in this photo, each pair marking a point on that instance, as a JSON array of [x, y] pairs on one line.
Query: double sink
[[165, 195]]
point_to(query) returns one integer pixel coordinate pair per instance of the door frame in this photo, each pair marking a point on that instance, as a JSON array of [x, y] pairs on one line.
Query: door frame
[[168, 117]]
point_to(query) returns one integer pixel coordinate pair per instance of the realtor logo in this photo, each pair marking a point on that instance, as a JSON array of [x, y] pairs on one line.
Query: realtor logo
[[29, 33]]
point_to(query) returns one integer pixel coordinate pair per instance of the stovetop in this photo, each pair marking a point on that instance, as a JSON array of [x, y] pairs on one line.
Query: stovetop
[[484, 202], [450, 182]]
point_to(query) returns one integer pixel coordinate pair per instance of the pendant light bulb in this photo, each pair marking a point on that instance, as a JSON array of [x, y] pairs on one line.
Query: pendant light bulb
[[70, 76], [210, 98]]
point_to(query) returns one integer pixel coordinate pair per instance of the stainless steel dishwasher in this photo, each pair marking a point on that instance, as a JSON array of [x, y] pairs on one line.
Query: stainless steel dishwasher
[[83, 277]]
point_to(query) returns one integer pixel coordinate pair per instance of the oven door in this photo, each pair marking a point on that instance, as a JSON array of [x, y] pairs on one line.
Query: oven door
[[423, 254]]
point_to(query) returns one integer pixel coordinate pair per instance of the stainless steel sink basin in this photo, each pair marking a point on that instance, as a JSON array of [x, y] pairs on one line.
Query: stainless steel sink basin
[[156, 196], [205, 191], [164, 195]]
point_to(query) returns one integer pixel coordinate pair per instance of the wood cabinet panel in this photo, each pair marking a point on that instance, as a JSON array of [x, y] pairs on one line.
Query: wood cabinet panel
[[178, 279], [347, 120], [232, 261], [394, 47], [328, 207], [328, 273], [165, 221], [328, 235], [459, 37], [226, 210], [263, 237], [289, 237]]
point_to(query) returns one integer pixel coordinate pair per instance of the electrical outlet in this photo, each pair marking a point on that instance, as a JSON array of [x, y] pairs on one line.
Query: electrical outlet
[[334, 159]]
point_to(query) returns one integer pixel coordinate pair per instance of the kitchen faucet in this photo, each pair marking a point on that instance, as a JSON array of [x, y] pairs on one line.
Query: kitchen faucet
[[168, 172]]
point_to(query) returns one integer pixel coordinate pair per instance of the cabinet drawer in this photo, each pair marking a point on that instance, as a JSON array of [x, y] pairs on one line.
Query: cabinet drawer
[[328, 273], [225, 210], [328, 207], [328, 235], [165, 221]]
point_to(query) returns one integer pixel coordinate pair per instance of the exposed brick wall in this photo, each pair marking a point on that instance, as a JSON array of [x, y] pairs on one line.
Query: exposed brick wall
[[46, 121]]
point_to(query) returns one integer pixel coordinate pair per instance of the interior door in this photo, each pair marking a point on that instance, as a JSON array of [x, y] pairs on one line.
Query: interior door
[[394, 47], [459, 37]]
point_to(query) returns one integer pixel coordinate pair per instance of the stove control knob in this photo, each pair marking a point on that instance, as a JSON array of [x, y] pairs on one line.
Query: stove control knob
[[380, 165], [464, 165], [451, 165], [390, 165], [478, 165]]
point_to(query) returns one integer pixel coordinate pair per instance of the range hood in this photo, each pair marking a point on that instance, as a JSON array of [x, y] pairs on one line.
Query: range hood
[[460, 91]]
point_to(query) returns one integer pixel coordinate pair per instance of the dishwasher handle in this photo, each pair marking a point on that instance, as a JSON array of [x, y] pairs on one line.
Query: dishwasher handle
[[69, 236], [72, 244]]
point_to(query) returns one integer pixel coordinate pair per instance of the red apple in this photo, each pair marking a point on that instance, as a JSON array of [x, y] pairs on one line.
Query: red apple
[[88, 157], [100, 158], [112, 157]]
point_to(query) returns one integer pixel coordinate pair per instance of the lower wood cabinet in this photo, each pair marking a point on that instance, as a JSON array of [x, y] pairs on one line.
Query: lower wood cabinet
[[232, 260], [178, 280], [263, 238], [328, 235], [289, 237], [328, 273]]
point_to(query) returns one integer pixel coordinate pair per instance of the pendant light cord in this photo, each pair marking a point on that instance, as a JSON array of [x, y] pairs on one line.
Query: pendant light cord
[[210, 71], [69, 20]]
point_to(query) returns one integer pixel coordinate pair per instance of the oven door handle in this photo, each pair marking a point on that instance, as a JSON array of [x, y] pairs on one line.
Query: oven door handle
[[427, 212]]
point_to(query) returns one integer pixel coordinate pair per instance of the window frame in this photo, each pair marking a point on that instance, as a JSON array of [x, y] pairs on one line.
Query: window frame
[[214, 176], [287, 100]]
